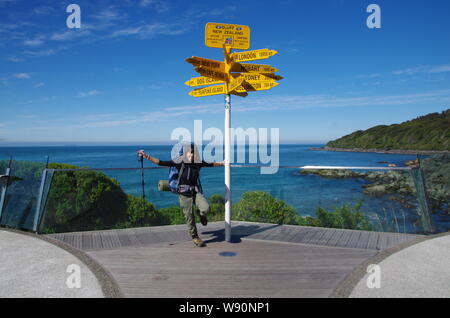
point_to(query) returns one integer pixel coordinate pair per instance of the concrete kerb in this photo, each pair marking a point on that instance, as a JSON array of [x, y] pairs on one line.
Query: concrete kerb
[[109, 286], [346, 286]]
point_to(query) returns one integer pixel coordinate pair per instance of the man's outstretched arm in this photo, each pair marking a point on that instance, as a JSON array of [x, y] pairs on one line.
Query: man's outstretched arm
[[156, 161]]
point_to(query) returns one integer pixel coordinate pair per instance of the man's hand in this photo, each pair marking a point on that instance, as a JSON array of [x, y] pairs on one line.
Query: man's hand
[[219, 164]]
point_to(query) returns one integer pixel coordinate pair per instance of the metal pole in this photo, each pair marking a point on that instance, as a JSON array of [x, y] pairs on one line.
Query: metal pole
[[4, 189], [142, 178], [227, 168], [39, 202]]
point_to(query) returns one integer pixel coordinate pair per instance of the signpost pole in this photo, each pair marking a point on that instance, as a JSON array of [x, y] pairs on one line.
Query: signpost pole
[[227, 168], [237, 78]]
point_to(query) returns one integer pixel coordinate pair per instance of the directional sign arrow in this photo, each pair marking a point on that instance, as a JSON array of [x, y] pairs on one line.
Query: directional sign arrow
[[256, 77], [241, 94], [212, 64], [253, 55], [208, 91], [252, 68], [207, 72], [201, 81], [235, 83], [258, 86]]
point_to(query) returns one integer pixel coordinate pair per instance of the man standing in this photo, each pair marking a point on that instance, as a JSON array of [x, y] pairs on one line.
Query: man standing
[[189, 188]]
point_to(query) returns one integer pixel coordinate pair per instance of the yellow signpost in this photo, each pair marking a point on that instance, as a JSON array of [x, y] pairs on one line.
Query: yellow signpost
[[234, 78]]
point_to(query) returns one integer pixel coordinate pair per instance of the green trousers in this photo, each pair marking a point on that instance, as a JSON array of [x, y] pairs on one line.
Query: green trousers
[[187, 203]]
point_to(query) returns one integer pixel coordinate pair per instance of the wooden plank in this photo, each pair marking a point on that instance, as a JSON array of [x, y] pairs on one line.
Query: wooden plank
[[326, 237], [87, 241], [303, 233], [363, 240], [382, 241], [372, 243], [354, 239], [335, 237], [343, 240], [314, 239]]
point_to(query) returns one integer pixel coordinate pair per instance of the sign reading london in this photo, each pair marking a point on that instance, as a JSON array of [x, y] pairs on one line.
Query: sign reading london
[[236, 36]]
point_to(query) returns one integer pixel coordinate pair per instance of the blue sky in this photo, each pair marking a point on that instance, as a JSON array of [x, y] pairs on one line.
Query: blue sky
[[120, 78]]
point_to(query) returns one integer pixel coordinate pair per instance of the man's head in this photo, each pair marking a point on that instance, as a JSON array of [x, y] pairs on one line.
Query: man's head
[[190, 155]]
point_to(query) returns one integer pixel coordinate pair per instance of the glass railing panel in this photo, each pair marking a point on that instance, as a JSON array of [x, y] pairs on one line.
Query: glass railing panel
[[352, 199], [22, 194], [384, 200], [435, 172]]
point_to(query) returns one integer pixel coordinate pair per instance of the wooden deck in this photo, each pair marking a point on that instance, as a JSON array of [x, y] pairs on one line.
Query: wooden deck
[[269, 260]]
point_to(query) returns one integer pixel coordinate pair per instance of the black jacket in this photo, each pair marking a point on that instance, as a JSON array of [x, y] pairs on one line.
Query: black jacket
[[191, 171]]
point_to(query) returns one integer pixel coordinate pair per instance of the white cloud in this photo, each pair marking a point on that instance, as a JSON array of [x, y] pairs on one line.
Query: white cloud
[[282, 103], [373, 75], [158, 5], [424, 69], [69, 34], [40, 53], [35, 42], [5, 2], [43, 10], [440, 69], [109, 15], [15, 59], [88, 93], [39, 84], [22, 75], [150, 30]]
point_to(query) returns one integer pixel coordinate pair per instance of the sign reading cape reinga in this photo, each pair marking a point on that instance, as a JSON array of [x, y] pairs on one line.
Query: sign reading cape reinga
[[231, 77]]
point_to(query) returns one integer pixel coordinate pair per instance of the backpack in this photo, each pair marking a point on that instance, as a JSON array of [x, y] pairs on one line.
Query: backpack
[[175, 175]]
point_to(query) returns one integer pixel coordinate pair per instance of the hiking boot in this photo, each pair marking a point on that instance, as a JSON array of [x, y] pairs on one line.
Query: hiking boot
[[198, 242], [203, 220]]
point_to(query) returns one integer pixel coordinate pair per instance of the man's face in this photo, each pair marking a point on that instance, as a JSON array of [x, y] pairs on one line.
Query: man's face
[[190, 156]]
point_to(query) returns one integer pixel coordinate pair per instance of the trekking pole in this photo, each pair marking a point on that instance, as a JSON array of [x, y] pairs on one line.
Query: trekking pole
[[141, 159]]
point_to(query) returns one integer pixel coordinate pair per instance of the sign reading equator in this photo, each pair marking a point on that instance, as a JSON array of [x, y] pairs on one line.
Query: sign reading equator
[[236, 36]]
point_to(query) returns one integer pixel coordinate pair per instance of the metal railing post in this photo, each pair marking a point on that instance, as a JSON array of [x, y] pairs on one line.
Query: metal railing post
[[4, 188], [39, 202]]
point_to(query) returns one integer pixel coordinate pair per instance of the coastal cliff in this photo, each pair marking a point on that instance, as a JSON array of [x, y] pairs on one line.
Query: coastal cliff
[[425, 134]]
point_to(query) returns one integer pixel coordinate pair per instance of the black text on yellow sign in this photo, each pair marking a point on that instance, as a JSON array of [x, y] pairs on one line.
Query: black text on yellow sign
[[233, 35]]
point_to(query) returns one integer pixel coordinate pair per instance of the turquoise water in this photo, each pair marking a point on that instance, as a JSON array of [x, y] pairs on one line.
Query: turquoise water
[[305, 193]]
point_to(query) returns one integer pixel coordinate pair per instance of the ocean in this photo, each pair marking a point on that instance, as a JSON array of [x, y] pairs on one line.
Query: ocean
[[304, 192]]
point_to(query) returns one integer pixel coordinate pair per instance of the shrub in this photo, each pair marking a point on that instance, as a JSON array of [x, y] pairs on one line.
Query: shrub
[[260, 206], [83, 200], [343, 217]]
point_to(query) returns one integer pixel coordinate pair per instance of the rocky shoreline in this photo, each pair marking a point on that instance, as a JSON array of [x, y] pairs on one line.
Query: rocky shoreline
[[436, 171], [387, 151]]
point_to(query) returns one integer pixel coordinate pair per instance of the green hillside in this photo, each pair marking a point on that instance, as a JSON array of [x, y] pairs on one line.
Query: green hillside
[[429, 132]]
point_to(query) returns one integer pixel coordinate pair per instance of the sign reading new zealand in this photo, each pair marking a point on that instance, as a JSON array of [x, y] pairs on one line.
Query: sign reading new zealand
[[235, 36]]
